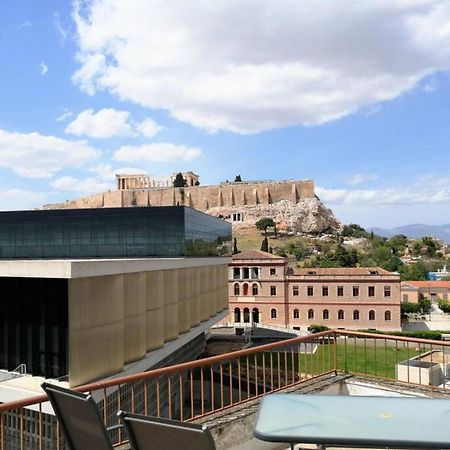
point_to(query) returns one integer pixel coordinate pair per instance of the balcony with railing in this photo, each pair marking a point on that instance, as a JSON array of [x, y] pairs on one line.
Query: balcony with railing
[[225, 389]]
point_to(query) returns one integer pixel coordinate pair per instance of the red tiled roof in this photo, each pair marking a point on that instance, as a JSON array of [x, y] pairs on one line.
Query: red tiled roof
[[426, 284], [342, 271], [255, 254]]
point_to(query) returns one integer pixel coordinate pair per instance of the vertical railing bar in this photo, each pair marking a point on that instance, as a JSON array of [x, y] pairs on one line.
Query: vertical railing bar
[[169, 395], [407, 357], [145, 397], [221, 385], [444, 365], [271, 369], [375, 355], [298, 363], [420, 366], [158, 400], [212, 388], [191, 379], [132, 398], [239, 380], [119, 408], [305, 358], [292, 364], [322, 346], [256, 374], [355, 354], [385, 359], [286, 371], [279, 370], [365, 356], [312, 358], [58, 441], [264, 371], [21, 429], [231, 382], [181, 396], [2, 425], [248, 376], [202, 391], [345, 354], [335, 352]]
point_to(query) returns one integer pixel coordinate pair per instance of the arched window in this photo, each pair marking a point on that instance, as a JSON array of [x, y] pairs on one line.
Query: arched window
[[245, 289], [310, 314], [325, 314], [246, 315], [255, 315], [255, 289], [371, 314], [387, 315], [341, 314], [296, 314], [237, 315], [273, 313], [355, 314], [237, 289]]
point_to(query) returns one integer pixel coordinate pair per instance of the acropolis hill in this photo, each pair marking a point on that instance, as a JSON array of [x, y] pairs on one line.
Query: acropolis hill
[[292, 204]]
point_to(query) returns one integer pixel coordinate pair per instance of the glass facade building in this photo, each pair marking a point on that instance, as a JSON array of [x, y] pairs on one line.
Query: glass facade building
[[173, 231]]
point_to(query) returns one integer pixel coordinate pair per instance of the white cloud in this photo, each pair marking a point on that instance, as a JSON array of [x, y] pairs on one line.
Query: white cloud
[[23, 25], [108, 122], [59, 27], [88, 185], [43, 68], [362, 178], [417, 193], [105, 123], [157, 152], [64, 115], [38, 156], [249, 66], [148, 127], [14, 199]]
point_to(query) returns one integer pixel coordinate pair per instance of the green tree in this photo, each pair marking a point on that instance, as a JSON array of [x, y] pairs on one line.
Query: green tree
[[265, 245], [265, 223], [398, 243], [417, 271], [179, 181], [238, 179]]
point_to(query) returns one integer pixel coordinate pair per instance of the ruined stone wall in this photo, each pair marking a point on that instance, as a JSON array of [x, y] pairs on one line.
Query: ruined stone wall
[[202, 198]]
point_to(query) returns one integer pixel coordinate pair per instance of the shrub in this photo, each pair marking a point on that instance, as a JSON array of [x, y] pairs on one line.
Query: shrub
[[317, 328]]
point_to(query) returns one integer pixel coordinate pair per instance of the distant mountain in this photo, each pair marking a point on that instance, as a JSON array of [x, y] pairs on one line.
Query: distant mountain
[[416, 231]]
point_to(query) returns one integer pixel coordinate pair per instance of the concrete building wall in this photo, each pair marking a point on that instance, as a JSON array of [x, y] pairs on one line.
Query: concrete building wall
[[117, 319]]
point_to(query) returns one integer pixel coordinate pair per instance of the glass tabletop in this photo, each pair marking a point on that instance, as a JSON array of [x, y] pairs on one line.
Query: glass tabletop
[[407, 422]]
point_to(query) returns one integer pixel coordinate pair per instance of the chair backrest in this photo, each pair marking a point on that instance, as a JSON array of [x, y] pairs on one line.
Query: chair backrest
[[148, 433], [79, 419]]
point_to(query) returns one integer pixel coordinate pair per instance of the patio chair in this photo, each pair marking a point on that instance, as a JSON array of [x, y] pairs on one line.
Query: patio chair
[[79, 417], [151, 433]]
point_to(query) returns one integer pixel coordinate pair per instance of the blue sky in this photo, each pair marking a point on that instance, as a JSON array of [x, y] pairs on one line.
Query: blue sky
[[285, 90]]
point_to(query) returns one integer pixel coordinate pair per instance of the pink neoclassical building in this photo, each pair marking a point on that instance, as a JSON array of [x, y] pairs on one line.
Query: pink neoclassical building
[[262, 288]]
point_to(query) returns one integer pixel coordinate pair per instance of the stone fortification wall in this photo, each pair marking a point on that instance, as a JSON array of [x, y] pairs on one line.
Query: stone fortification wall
[[202, 198]]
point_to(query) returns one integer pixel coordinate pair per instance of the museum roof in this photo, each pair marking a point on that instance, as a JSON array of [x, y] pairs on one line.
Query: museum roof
[[255, 254]]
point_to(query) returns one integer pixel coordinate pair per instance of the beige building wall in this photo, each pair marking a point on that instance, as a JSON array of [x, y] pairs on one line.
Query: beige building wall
[[117, 319], [281, 298]]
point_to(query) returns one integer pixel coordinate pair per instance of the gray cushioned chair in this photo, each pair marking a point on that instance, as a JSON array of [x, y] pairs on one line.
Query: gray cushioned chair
[[79, 418], [151, 433]]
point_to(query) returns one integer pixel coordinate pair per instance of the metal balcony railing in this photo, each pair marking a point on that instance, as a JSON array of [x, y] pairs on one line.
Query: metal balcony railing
[[199, 388]]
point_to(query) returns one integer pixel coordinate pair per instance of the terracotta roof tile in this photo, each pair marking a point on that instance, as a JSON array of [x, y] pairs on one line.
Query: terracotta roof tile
[[342, 271], [255, 254], [426, 284]]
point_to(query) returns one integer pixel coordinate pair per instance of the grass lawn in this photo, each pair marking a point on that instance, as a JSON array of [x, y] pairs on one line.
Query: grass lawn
[[377, 361]]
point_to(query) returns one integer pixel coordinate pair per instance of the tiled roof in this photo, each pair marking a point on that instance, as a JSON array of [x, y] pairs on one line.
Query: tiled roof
[[426, 284], [342, 271], [255, 254]]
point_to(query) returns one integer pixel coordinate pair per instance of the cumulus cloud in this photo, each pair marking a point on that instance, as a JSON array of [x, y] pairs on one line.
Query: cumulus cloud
[[362, 178], [249, 66], [43, 68], [105, 123], [13, 199], [108, 122], [38, 156], [157, 152], [148, 127], [88, 185], [434, 192]]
